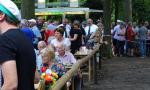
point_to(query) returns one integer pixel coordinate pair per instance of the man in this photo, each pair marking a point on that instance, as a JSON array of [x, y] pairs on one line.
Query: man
[[67, 58], [63, 56], [36, 31], [17, 57], [90, 29], [142, 35], [41, 45], [67, 27], [26, 29]]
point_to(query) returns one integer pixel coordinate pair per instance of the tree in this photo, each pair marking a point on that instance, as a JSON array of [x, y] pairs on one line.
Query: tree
[[107, 24], [28, 9], [116, 10], [128, 10]]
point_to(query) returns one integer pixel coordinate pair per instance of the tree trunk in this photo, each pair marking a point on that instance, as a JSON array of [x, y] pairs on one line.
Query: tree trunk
[[27, 9], [107, 29], [116, 10], [128, 10]]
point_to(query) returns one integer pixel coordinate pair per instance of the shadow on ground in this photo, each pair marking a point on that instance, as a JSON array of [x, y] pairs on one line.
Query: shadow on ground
[[122, 74]]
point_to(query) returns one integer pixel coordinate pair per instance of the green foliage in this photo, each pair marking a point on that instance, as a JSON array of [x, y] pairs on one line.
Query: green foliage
[[141, 10]]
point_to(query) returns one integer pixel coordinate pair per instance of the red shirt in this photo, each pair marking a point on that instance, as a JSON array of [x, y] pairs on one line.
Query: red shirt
[[130, 33], [49, 33]]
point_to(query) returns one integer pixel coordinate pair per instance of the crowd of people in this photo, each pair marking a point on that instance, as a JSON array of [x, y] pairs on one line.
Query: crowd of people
[[130, 39], [27, 47]]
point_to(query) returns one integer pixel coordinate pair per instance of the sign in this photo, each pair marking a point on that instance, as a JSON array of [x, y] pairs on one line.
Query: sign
[[41, 4], [74, 3]]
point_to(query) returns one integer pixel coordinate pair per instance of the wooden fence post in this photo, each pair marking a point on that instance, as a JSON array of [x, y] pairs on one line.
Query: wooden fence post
[[90, 70], [95, 68], [100, 62]]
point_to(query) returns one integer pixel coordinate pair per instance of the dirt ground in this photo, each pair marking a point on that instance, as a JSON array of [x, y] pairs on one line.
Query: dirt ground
[[122, 73]]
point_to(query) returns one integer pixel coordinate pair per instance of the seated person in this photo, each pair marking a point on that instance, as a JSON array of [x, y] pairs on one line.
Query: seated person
[[63, 56], [67, 58], [48, 61]]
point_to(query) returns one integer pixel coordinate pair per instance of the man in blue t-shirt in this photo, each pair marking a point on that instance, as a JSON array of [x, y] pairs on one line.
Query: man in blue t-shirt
[[25, 28]]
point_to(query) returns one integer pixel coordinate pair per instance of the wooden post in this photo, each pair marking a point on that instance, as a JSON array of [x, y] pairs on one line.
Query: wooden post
[[100, 62], [95, 68], [90, 71]]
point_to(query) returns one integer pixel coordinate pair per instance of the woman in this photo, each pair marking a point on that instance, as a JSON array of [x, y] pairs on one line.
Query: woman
[[48, 56], [50, 71], [59, 39], [121, 39], [75, 37]]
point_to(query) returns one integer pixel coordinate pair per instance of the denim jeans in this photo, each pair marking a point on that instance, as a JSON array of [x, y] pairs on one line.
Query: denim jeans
[[142, 44], [120, 47], [148, 47]]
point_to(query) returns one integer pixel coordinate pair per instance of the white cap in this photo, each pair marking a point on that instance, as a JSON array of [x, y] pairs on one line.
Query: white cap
[[32, 20], [10, 9], [119, 21]]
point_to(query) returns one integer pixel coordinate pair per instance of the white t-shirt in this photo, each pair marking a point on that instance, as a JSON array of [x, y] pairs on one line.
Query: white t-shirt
[[93, 29], [65, 42], [38, 59], [120, 34], [68, 28], [117, 27]]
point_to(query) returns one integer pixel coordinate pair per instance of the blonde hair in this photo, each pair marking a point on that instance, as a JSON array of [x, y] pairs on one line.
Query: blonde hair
[[48, 51]]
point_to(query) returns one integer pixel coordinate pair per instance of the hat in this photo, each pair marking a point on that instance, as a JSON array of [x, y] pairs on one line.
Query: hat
[[10, 9], [32, 20], [119, 21]]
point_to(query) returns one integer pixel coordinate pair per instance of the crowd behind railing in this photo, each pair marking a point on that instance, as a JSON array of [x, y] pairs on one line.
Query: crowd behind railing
[[55, 46], [56, 43], [130, 39]]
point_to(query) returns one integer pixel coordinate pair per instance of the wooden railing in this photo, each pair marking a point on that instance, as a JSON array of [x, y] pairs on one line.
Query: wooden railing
[[92, 59]]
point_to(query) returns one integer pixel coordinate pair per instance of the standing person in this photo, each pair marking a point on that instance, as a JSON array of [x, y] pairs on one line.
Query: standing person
[[142, 34], [17, 57], [26, 29], [40, 22], [89, 29], [148, 43], [75, 38], [120, 36], [130, 37], [36, 31], [115, 36], [41, 45], [66, 26]]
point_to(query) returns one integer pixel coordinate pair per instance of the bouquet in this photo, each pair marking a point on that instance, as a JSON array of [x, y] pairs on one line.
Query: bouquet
[[50, 76]]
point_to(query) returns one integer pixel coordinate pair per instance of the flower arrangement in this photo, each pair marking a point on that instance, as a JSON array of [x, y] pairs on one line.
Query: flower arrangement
[[50, 76]]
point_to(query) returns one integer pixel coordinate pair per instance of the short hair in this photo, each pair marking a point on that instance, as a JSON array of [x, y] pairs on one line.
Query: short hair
[[48, 51], [61, 30], [10, 20], [24, 22], [77, 24]]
